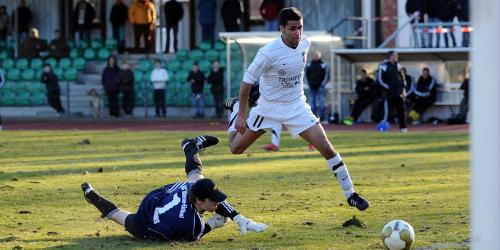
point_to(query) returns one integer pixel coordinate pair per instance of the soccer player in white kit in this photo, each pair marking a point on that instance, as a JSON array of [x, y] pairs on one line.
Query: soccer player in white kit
[[279, 66]]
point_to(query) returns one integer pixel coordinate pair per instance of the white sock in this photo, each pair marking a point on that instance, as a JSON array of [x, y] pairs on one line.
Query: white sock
[[275, 135], [339, 169], [194, 175], [232, 118], [119, 216]]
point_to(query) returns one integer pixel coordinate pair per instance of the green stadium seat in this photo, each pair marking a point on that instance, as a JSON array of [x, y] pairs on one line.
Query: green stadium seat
[[205, 66], [138, 75], [13, 74], [70, 74], [38, 74], [147, 77], [36, 63], [22, 63], [5, 53], [74, 53], [212, 55], [23, 99], [79, 63], [181, 76], [8, 86], [28, 75], [52, 62], [83, 44], [144, 65], [173, 65], [111, 44], [205, 45], [220, 45], [59, 73], [196, 55], [38, 99], [103, 54], [89, 54], [222, 55], [181, 54], [8, 99], [71, 43], [19, 87], [35, 87], [186, 65], [8, 63], [96, 43], [65, 63]]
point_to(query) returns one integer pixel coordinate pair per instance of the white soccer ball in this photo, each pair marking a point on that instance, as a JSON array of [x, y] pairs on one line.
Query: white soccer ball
[[398, 235]]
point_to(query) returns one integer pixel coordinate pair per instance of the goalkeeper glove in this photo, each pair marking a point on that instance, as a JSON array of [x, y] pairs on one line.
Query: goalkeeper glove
[[247, 224]]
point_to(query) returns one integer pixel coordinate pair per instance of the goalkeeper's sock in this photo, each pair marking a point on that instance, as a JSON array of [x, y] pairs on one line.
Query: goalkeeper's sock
[[105, 206], [275, 135], [232, 118], [339, 169], [225, 209]]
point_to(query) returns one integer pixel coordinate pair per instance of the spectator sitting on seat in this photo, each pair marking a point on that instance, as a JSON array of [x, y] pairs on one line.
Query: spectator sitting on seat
[[425, 95], [83, 17], [126, 82], [59, 47], [216, 79], [32, 46], [159, 78], [53, 92], [118, 17], [4, 23], [366, 91], [197, 79]]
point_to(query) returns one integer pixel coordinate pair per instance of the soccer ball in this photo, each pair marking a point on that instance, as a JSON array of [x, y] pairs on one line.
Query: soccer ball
[[398, 235], [383, 126]]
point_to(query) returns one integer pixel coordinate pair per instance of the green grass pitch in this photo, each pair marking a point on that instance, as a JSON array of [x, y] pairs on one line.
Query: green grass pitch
[[422, 178]]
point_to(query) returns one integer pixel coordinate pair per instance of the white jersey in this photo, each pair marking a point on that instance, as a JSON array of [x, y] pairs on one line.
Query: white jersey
[[280, 70]]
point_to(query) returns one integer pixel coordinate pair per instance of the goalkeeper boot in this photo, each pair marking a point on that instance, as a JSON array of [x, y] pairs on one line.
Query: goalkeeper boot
[[229, 103], [94, 198], [200, 142], [356, 200]]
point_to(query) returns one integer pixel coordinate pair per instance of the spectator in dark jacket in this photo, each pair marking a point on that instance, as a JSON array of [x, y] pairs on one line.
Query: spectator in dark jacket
[[83, 17], [464, 104], [118, 17], [433, 10], [110, 84], [392, 89], [206, 18], [53, 93], [230, 12], [126, 81], [32, 46], [464, 16], [173, 15], [413, 6], [446, 14], [317, 76], [216, 79], [425, 95], [366, 91], [197, 79], [59, 47], [24, 20], [269, 10], [4, 23]]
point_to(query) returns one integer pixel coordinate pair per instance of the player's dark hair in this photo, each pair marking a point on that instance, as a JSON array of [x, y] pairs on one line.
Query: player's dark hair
[[426, 69], [364, 71], [191, 197], [289, 14], [390, 53]]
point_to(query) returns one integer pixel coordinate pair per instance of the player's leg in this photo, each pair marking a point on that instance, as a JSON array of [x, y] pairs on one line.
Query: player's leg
[[107, 208], [191, 147], [275, 139], [238, 143]]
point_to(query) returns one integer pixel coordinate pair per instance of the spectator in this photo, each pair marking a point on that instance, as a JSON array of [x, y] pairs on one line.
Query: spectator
[[142, 15], [413, 6], [126, 82], [173, 15], [159, 78], [83, 17], [216, 79], [59, 47], [446, 14], [269, 10], [464, 104], [110, 84], [196, 78], [32, 46], [230, 13], [206, 18], [432, 19], [366, 91], [4, 23], [425, 95], [463, 16], [118, 18], [392, 90], [53, 93], [24, 19], [317, 76]]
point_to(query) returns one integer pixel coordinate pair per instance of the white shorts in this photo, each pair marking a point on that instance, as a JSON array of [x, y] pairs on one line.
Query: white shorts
[[296, 115]]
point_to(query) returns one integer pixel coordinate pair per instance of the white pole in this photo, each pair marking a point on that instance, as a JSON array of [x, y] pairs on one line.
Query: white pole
[[485, 137]]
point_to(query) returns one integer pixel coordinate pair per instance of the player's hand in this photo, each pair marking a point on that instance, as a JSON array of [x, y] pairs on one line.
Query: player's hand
[[216, 221], [241, 125], [248, 224]]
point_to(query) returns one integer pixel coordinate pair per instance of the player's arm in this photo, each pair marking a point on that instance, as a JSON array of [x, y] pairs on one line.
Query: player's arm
[[241, 125], [226, 210]]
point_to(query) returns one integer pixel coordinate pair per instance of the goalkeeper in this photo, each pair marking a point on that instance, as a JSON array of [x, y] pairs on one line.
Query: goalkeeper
[[175, 212]]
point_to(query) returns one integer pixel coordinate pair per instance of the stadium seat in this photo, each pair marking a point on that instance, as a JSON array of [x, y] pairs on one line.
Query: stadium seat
[[38, 99], [181, 54], [35, 87], [181, 76], [36, 63], [196, 55], [89, 54], [5, 53], [79, 63], [52, 62], [103, 54], [111, 44], [22, 63], [205, 45], [23, 99], [8, 99], [220, 45], [8, 64], [13, 74], [212, 55], [65, 63], [205, 66], [74, 53], [28, 75], [174, 65], [96, 43], [186, 65], [138, 75], [146, 78], [71, 43], [83, 44], [144, 65], [70, 74], [18, 87], [59, 73]]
